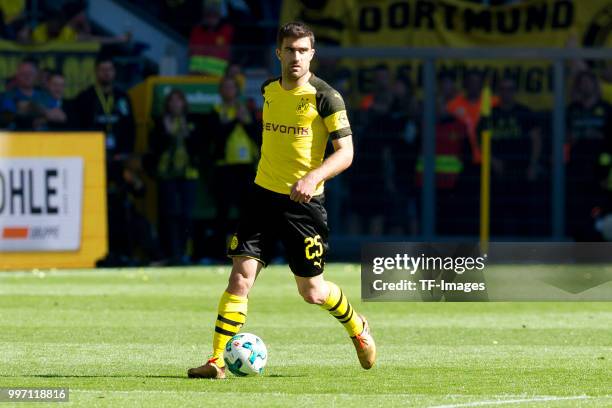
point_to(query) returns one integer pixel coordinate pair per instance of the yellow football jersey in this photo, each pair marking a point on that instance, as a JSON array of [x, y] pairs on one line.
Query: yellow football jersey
[[297, 124]]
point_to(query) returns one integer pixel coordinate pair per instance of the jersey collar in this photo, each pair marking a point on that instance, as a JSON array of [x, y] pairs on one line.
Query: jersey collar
[[297, 88]]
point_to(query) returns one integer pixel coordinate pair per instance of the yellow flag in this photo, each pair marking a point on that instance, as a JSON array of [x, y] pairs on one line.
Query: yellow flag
[[485, 102]]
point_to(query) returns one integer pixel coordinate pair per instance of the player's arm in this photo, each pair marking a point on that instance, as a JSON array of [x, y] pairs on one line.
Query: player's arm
[[336, 163]]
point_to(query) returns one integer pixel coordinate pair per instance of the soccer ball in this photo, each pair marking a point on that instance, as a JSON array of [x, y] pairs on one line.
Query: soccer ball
[[245, 355]]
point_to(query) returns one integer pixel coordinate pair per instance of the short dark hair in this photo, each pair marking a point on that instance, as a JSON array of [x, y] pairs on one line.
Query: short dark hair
[[295, 29]]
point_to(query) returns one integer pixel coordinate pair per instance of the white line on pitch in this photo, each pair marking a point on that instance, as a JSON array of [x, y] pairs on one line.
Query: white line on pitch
[[514, 401]]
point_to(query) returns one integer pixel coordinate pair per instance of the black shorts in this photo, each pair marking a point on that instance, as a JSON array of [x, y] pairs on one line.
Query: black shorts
[[268, 217]]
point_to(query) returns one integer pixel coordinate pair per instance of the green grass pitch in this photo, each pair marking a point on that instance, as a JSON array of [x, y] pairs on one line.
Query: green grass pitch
[[125, 338]]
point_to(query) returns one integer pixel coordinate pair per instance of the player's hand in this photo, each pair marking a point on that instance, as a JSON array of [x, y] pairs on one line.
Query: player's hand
[[304, 188]]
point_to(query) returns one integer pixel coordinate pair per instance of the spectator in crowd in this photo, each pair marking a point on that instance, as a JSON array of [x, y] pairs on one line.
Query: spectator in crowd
[[234, 71], [454, 204], [466, 107], [576, 66], [55, 105], [69, 23], [22, 105], [234, 154], [20, 31], [381, 96], [516, 144], [378, 187], [138, 242], [516, 134], [447, 91], [175, 146], [405, 124], [372, 167], [11, 12], [55, 28], [106, 108], [589, 125], [210, 43], [406, 109], [79, 23]]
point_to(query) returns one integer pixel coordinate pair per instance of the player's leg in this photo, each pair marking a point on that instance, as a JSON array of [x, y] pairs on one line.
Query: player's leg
[[305, 235], [231, 315], [250, 251], [233, 305], [316, 290], [326, 294]]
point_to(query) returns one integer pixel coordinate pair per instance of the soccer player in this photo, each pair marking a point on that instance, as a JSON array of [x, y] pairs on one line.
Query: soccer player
[[300, 113]]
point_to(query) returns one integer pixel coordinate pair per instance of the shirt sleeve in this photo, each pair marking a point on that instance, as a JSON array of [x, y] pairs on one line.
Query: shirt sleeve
[[332, 110]]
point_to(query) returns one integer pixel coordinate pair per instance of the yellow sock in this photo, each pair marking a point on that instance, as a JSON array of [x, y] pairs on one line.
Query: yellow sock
[[338, 306], [231, 316]]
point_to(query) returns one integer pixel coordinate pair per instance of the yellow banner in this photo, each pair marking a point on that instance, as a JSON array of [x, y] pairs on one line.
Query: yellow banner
[[455, 23]]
